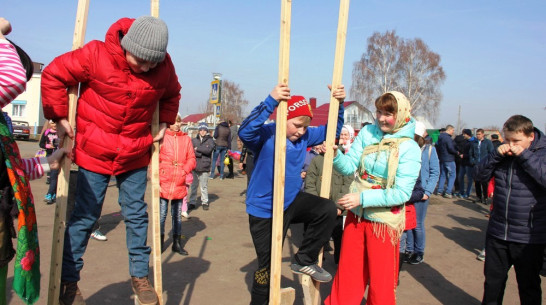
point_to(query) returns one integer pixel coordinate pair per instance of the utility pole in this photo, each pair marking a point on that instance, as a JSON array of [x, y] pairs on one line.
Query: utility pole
[[458, 129]]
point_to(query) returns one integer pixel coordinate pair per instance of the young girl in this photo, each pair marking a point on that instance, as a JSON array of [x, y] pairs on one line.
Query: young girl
[[176, 160], [387, 162], [50, 141]]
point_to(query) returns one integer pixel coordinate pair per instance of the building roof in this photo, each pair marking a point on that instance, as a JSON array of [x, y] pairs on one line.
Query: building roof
[[194, 118]]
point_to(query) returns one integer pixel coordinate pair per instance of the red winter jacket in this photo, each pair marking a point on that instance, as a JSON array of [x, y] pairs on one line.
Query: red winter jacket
[[176, 159], [115, 107]]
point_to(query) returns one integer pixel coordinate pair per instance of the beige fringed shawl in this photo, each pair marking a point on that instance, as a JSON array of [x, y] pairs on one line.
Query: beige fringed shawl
[[389, 220]]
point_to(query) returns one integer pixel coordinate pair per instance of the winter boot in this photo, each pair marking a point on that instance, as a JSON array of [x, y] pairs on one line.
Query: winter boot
[[144, 291], [177, 247], [70, 294], [162, 242]]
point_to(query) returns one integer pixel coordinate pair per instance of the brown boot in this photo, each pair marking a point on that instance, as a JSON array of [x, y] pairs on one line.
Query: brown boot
[[144, 291], [70, 294]]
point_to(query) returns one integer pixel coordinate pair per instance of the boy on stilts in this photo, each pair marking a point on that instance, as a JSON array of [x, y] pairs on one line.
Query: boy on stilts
[[122, 79], [318, 213]]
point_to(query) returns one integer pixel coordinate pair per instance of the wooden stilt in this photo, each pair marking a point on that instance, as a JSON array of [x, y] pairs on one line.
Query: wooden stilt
[[310, 288], [64, 173], [154, 166], [276, 295]]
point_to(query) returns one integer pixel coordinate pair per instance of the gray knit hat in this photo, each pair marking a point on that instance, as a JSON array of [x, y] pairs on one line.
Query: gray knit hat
[[147, 39]]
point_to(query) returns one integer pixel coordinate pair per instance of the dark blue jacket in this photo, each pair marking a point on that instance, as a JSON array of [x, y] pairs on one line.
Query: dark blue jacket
[[480, 151], [470, 156], [446, 148], [519, 200]]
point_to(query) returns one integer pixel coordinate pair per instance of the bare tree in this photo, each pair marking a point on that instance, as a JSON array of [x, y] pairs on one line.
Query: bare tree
[[405, 65], [376, 73], [232, 102], [420, 77]]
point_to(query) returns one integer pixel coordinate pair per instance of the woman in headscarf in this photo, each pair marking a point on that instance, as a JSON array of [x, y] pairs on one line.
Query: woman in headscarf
[[346, 137], [387, 162]]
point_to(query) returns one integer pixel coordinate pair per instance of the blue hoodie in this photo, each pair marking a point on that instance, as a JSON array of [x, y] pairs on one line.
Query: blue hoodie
[[260, 138]]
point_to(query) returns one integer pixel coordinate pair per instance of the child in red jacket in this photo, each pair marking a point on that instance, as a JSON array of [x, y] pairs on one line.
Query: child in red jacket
[[122, 81], [176, 160]]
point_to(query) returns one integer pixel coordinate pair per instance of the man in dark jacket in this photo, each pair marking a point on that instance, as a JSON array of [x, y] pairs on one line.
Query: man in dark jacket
[[446, 153], [467, 164], [480, 149], [203, 145], [495, 141], [222, 134], [516, 234], [459, 145]]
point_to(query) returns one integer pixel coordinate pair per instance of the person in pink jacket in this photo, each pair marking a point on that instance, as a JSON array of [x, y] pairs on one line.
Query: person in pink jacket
[[176, 160]]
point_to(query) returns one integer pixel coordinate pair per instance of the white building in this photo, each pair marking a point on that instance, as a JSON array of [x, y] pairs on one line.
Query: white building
[[27, 106]]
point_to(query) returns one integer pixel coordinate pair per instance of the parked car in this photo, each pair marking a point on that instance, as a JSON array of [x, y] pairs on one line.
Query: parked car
[[21, 129]]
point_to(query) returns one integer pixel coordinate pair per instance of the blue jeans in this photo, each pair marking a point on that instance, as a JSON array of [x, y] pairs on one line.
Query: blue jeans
[[219, 152], [447, 169], [90, 190], [176, 212], [54, 174], [465, 170], [415, 241]]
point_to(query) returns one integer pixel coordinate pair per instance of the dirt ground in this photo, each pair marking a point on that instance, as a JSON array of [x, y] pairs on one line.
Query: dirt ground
[[222, 260]]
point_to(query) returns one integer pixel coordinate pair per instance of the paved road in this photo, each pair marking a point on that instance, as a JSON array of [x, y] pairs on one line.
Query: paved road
[[222, 259]]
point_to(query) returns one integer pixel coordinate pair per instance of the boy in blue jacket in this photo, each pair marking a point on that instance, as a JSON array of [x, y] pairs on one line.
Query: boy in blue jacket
[[318, 213], [516, 234]]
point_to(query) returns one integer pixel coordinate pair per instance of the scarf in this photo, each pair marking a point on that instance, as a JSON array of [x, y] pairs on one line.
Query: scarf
[[386, 220], [26, 279], [347, 145]]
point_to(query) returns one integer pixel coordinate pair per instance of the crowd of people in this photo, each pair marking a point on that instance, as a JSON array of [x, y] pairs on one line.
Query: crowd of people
[[380, 188]]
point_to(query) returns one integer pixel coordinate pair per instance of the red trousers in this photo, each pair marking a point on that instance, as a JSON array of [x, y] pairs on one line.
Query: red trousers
[[365, 260]]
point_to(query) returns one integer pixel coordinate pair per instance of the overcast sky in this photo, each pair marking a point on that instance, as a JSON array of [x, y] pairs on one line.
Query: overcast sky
[[492, 51]]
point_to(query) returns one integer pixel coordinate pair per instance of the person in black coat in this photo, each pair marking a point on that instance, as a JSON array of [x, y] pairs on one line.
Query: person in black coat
[[203, 145], [481, 148], [516, 233], [446, 154]]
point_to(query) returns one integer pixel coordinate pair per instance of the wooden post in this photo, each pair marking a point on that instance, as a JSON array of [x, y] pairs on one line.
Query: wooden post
[[64, 173], [311, 290], [280, 161], [156, 230]]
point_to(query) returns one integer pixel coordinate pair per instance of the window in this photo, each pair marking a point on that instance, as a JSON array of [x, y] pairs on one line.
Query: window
[[18, 110]]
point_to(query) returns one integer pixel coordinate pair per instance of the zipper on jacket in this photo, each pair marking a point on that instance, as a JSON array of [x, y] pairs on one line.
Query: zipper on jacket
[[532, 215], [510, 169], [173, 180]]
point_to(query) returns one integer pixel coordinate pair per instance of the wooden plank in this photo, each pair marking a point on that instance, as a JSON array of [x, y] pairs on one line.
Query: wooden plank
[[280, 159], [59, 225], [155, 210], [311, 290]]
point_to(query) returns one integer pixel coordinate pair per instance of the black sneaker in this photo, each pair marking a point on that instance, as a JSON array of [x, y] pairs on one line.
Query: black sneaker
[[314, 271], [417, 259], [205, 207], [408, 256]]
